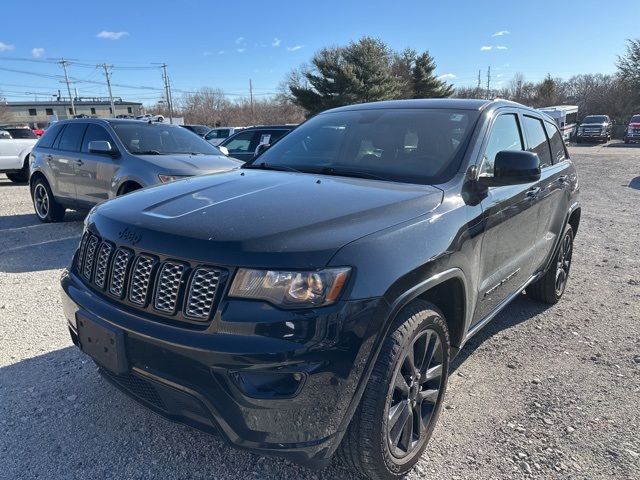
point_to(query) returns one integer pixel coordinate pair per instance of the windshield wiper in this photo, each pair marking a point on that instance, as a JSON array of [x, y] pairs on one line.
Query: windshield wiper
[[350, 173], [266, 166], [149, 152]]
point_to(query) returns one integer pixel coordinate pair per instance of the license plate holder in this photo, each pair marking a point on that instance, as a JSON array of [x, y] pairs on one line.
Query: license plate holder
[[102, 342]]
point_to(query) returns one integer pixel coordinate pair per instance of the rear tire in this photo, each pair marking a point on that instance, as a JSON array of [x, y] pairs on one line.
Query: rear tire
[[403, 398], [21, 176], [549, 289], [45, 205]]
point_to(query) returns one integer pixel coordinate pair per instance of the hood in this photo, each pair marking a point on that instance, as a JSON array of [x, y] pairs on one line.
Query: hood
[[187, 164], [259, 218]]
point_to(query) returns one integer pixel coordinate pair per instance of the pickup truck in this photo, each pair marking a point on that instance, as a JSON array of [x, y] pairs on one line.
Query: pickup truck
[[14, 157]]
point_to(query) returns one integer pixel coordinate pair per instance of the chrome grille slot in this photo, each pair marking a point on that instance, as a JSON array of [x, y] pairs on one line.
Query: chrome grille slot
[[161, 287], [119, 272], [201, 293], [90, 256], [102, 267], [168, 287], [141, 279]]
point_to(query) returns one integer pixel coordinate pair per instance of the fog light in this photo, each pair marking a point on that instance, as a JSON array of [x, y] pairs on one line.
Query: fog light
[[261, 384]]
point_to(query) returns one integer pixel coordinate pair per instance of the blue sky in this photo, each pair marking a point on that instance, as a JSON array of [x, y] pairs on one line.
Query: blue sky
[[226, 44]]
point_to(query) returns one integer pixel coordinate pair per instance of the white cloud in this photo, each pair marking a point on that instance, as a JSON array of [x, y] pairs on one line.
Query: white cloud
[[501, 33], [207, 54], [276, 42], [221, 52], [501, 48], [37, 52], [447, 75], [240, 41], [484, 49], [293, 49], [112, 35], [4, 47], [242, 50]]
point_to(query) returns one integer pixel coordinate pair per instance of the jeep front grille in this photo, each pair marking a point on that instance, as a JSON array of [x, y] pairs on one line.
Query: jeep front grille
[[146, 281]]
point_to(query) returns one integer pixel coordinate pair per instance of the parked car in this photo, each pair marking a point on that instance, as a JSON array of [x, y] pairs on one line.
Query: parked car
[[38, 132], [201, 130], [217, 135], [632, 131], [245, 144], [147, 117], [79, 163], [19, 132], [312, 301], [15, 148], [594, 127]]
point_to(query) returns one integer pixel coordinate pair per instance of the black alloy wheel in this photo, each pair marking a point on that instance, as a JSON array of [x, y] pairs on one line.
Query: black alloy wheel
[[45, 205], [403, 398]]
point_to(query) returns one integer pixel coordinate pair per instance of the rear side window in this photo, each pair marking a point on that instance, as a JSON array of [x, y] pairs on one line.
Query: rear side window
[[538, 142], [71, 136], [95, 133], [49, 136], [558, 152]]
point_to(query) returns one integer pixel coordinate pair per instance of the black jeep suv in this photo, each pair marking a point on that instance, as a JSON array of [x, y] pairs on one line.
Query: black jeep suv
[[311, 302]]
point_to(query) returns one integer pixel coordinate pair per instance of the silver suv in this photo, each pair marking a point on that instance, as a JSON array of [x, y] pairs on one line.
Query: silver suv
[[80, 162]]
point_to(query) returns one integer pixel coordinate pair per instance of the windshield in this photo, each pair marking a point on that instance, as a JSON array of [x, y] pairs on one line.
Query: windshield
[[595, 119], [405, 145], [635, 119], [157, 138]]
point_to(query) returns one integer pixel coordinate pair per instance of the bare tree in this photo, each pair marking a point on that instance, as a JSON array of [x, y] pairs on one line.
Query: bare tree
[[5, 114]]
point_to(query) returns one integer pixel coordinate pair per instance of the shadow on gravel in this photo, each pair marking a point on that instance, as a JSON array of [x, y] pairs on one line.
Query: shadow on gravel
[[28, 245], [635, 183], [520, 310]]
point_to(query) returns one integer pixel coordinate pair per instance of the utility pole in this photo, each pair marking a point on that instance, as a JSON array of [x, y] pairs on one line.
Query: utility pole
[[488, 83], [106, 74], [479, 80], [64, 63], [251, 100], [167, 89]]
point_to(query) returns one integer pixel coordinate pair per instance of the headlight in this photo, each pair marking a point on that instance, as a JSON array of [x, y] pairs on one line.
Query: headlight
[[297, 289], [171, 178]]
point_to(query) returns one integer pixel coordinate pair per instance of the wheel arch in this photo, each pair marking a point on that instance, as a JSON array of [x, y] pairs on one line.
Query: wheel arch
[[447, 290]]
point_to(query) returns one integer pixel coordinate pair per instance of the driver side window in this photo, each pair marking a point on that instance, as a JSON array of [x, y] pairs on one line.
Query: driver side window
[[505, 135]]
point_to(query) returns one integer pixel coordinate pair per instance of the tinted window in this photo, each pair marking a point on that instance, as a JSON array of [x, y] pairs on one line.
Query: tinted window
[[95, 133], [21, 133], [538, 142], [595, 119], [49, 136], [71, 137], [505, 135], [558, 152], [240, 143], [160, 138]]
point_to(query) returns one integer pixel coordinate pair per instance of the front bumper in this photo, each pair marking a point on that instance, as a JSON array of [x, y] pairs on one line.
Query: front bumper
[[266, 380]]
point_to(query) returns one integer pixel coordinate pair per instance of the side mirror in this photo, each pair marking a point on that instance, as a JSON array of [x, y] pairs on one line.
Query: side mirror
[[103, 147], [513, 167]]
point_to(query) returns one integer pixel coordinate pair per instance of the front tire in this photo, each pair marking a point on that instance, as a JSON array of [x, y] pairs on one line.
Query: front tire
[[403, 398], [549, 289], [45, 205]]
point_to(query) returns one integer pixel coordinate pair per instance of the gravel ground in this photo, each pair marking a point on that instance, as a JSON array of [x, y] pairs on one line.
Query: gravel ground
[[542, 392]]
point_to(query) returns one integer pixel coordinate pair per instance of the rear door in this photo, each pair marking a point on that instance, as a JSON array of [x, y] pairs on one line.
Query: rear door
[[64, 157], [556, 181]]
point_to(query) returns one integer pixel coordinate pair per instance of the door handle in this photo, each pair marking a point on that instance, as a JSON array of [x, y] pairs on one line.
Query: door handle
[[79, 162], [563, 179], [533, 192], [48, 158]]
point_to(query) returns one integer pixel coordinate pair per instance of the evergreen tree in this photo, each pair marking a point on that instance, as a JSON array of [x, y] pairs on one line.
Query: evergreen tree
[[425, 83], [629, 71]]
